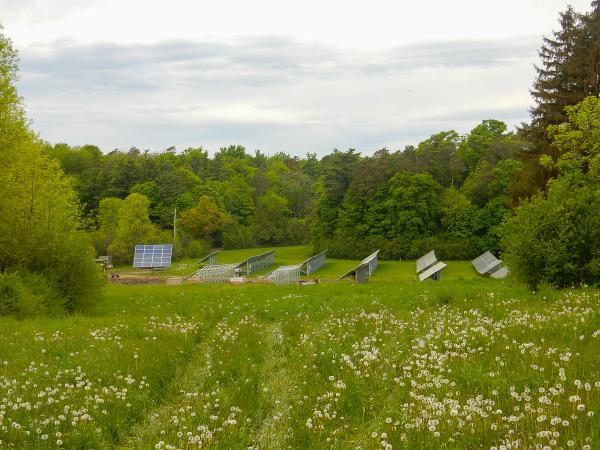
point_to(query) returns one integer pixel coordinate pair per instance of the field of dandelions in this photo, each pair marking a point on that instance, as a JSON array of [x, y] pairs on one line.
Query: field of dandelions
[[480, 364]]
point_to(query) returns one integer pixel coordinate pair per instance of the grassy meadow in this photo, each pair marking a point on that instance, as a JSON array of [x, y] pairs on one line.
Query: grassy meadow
[[467, 362]]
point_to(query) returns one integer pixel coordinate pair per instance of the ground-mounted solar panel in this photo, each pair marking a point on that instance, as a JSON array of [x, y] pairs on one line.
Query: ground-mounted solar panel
[[257, 263], [364, 269], [500, 273], [150, 256], [360, 273], [217, 273], [432, 272], [210, 260], [372, 261], [285, 275], [426, 261], [314, 263], [486, 263]]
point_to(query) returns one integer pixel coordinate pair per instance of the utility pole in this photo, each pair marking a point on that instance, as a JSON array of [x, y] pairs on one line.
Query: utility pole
[[174, 224]]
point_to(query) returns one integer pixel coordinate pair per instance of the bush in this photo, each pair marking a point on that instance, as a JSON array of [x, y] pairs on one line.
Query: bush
[[196, 249], [445, 246], [556, 239], [76, 276], [238, 236], [24, 294], [15, 298]]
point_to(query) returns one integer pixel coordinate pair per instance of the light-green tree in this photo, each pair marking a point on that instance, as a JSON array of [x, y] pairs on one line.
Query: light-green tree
[[555, 238], [134, 227], [204, 220], [39, 212]]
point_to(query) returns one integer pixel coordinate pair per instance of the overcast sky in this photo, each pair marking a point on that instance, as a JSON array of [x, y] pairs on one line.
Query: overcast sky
[[274, 75]]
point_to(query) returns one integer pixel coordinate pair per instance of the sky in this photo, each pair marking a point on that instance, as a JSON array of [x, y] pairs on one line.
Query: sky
[[300, 77]]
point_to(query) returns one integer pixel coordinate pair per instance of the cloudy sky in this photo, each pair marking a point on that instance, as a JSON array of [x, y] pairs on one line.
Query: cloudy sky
[[275, 75]]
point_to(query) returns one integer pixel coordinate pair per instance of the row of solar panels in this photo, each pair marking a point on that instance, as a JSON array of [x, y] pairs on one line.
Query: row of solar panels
[[159, 256]]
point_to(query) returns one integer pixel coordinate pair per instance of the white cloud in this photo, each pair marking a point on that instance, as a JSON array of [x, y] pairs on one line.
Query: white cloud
[[303, 76]]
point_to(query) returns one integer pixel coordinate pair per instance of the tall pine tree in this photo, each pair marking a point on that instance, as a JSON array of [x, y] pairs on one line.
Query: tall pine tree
[[569, 71]]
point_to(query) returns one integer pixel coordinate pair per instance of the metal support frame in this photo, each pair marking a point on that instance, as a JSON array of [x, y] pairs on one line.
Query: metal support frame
[[219, 273], [285, 275]]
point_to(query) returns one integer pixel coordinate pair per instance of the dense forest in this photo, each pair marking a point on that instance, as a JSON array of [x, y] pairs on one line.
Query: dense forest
[[450, 192], [532, 195]]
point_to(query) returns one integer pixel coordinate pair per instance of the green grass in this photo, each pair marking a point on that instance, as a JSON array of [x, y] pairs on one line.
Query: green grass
[[467, 362]]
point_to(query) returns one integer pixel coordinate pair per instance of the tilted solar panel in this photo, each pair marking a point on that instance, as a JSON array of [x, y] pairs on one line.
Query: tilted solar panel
[[500, 273], [314, 263], [426, 261], [486, 263], [432, 272], [152, 256]]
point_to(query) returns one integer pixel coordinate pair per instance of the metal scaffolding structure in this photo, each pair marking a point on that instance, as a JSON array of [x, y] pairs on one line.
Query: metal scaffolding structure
[[285, 275], [314, 263], [219, 273]]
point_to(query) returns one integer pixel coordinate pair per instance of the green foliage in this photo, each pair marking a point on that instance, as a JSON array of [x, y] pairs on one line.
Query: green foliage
[[475, 146], [412, 205], [238, 236], [568, 73], [578, 138], [134, 227], [108, 223], [459, 216], [196, 249], [204, 220], [40, 217], [15, 298], [556, 239], [438, 157]]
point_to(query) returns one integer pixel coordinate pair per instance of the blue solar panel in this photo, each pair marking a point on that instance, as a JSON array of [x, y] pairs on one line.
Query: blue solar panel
[[152, 256]]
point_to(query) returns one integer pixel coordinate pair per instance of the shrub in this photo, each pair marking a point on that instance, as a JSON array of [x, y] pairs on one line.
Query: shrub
[[24, 294], [556, 239], [196, 249], [238, 236]]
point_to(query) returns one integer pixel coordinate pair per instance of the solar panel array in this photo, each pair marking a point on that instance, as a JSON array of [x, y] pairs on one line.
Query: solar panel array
[[500, 273], [210, 260], [372, 260], [257, 263], [285, 275], [152, 256], [314, 263], [433, 272], [486, 263], [364, 270], [426, 261], [219, 273], [429, 267]]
